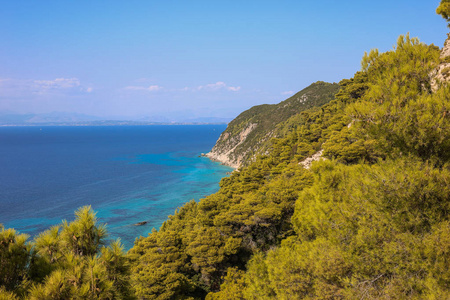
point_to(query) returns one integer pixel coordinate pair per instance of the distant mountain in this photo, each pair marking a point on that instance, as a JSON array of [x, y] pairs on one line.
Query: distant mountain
[[76, 119], [208, 120], [156, 118], [196, 120], [12, 119], [39, 119]]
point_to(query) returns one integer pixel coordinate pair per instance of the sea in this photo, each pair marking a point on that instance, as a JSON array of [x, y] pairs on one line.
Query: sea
[[127, 174]]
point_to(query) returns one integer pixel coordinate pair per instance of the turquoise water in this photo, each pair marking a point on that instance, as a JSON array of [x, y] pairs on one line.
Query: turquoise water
[[127, 174]]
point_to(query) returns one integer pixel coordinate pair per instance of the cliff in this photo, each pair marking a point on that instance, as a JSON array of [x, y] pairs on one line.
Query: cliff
[[251, 132], [441, 75]]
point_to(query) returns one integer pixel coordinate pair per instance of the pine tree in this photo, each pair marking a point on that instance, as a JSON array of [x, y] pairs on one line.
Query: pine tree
[[444, 10]]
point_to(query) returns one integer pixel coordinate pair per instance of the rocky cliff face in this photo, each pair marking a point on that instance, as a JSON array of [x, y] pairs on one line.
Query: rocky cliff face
[[225, 151], [441, 75], [251, 132]]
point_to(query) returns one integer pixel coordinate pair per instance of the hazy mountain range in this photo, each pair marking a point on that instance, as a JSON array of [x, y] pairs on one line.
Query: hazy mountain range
[[66, 118]]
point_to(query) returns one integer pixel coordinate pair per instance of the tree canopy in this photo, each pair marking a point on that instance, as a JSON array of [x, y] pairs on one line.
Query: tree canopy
[[369, 221], [67, 261], [444, 10]]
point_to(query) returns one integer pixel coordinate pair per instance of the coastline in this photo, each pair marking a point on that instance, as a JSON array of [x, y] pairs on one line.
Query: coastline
[[222, 159], [123, 174]]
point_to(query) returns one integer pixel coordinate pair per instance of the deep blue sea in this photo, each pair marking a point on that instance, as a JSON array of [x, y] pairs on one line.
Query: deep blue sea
[[128, 174]]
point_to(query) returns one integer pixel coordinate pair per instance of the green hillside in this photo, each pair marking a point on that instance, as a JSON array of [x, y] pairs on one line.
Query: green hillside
[[251, 132], [364, 223], [369, 220]]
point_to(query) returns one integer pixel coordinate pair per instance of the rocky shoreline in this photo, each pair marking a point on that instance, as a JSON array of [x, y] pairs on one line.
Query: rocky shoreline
[[221, 158]]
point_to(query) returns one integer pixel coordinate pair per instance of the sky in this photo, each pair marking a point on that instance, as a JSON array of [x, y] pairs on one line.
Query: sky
[[173, 60]]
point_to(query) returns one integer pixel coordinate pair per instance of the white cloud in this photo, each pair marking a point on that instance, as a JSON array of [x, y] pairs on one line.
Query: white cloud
[[212, 86], [42, 87], [154, 88], [288, 93], [58, 83], [151, 88], [219, 85], [234, 88]]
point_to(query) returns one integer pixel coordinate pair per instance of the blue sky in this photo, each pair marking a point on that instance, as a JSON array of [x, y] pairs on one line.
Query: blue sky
[[180, 59]]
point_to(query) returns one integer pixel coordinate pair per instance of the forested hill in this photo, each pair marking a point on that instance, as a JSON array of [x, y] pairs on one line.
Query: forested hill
[[369, 220], [251, 132]]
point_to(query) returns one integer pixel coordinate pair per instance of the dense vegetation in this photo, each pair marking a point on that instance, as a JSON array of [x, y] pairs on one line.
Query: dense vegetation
[[262, 122], [372, 221], [68, 261], [444, 10]]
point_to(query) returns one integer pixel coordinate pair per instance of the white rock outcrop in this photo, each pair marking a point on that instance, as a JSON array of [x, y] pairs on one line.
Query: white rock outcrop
[[306, 163], [446, 50], [441, 75], [225, 146]]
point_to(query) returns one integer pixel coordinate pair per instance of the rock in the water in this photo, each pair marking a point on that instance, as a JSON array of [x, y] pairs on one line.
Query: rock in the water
[[141, 223]]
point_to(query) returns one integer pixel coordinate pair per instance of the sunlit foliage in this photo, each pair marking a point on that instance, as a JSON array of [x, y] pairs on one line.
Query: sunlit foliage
[[444, 10], [372, 221], [67, 261]]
